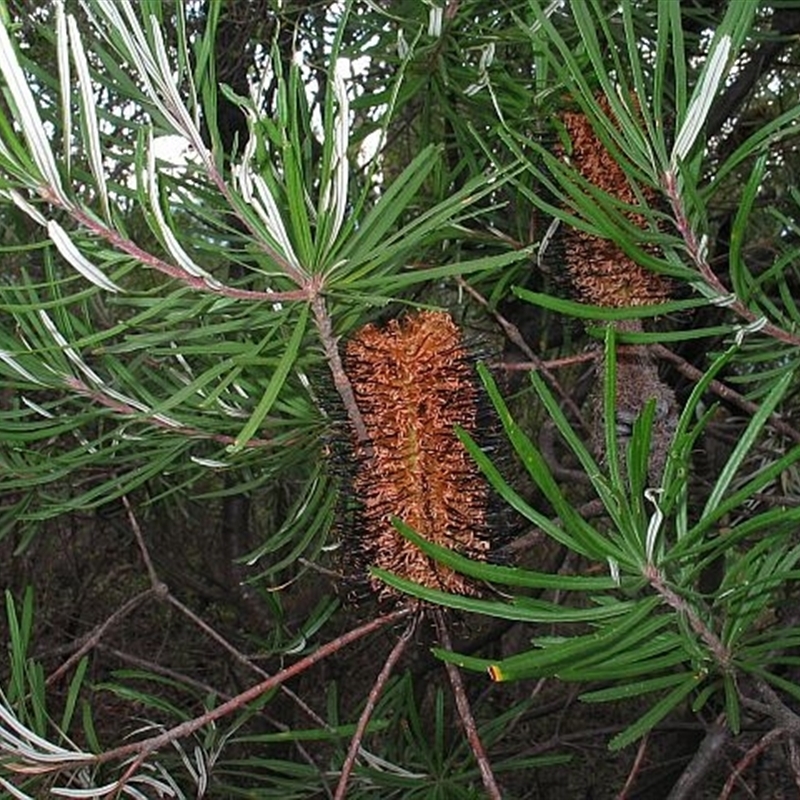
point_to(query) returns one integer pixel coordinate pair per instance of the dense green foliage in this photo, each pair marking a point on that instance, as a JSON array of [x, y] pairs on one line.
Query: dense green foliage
[[170, 347]]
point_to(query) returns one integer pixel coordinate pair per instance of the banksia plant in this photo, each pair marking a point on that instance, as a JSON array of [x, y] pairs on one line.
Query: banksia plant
[[169, 335]]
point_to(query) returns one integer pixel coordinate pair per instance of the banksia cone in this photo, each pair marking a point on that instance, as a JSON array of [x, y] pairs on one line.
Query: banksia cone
[[598, 269], [637, 382], [414, 383]]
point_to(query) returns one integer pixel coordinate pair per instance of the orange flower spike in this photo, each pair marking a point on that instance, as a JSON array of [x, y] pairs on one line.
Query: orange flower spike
[[413, 384], [600, 271]]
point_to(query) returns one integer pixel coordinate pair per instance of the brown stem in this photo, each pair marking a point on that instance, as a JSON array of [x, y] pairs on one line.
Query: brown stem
[[245, 661], [92, 639], [553, 363], [159, 669], [723, 391], [334, 359], [775, 708], [186, 680], [158, 586], [748, 758], [547, 446], [465, 712], [127, 410], [695, 250], [300, 277], [721, 653], [514, 335], [536, 536], [163, 593], [372, 700], [637, 764], [794, 762], [704, 759], [150, 745], [196, 282]]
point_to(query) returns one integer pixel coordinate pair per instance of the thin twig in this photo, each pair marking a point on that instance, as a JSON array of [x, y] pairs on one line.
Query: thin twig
[[721, 653], [340, 379], [212, 634], [92, 639], [536, 536], [794, 762], [550, 364], [245, 661], [372, 700], [514, 336], [696, 251], [198, 283], [150, 745], [297, 274], [127, 410], [748, 758], [465, 712], [186, 680], [721, 390], [774, 708], [159, 587], [160, 669], [547, 446], [637, 764], [163, 593]]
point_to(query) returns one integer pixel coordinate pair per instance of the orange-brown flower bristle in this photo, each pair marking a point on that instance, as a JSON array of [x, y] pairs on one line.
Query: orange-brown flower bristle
[[599, 270], [413, 383]]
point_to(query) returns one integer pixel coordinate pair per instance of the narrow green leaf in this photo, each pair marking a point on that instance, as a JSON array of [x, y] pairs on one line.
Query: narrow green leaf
[[573, 308], [89, 121], [552, 529], [629, 690], [745, 443], [740, 275], [574, 652], [505, 576], [732, 704], [391, 205], [650, 112], [75, 686], [27, 115], [275, 384], [19, 632], [577, 533], [632, 667], [714, 70], [789, 686], [65, 86], [678, 60], [656, 713], [606, 546], [391, 284], [610, 407], [293, 164], [637, 458], [308, 734], [89, 730], [516, 610]]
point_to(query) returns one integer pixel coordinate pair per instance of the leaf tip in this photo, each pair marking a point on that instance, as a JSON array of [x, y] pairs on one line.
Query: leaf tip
[[495, 673]]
